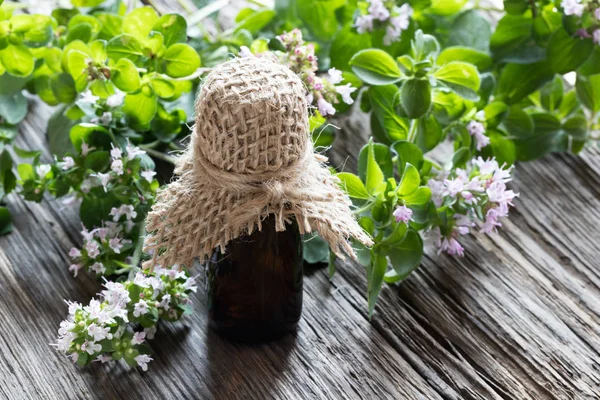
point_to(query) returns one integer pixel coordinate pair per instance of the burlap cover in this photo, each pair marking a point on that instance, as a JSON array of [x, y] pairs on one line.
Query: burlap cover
[[250, 156]]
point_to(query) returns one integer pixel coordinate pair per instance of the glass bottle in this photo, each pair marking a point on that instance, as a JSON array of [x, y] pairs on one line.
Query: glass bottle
[[255, 286]]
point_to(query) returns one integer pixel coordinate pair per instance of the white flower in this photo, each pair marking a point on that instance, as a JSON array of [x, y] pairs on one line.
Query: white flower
[[364, 23], [335, 76], [148, 175], [117, 167], [572, 7], [98, 332], [117, 296], [345, 91], [116, 153], [43, 170], [140, 280], [67, 163], [165, 302], [245, 52], [378, 10], [85, 149], [138, 338], [104, 179], [190, 284], [115, 100], [477, 130], [88, 97], [125, 209], [140, 308], [98, 268], [143, 360], [133, 152], [91, 347], [106, 118], [325, 108]]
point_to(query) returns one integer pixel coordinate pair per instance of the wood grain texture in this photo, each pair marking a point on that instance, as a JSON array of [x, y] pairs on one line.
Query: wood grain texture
[[517, 318]]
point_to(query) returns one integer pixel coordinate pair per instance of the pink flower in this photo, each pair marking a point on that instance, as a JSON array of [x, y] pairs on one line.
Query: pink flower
[[92, 249], [477, 130], [452, 247], [67, 163], [597, 13], [453, 186], [378, 10], [74, 268], [596, 35], [325, 108], [138, 338], [486, 167], [491, 221], [115, 245], [572, 7], [85, 149], [403, 214], [74, 253], [143, 360], [364, 23], [98, 268]]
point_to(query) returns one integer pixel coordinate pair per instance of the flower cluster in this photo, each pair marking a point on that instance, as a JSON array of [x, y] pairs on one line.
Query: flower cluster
[[591, 27], [104, 329], [104, 249], [476, 194], [300, 57], [106, 110], [387, 14], [476, 129]]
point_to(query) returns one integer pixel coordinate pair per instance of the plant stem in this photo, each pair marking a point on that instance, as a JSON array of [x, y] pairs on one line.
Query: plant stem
[[137, 253], [412, 133], [158, 154]]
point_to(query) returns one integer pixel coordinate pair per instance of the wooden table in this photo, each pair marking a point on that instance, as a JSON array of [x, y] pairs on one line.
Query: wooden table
[[517, 318]]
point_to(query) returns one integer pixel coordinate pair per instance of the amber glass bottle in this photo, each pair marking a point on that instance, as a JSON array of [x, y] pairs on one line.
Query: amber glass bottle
[[255, 286]]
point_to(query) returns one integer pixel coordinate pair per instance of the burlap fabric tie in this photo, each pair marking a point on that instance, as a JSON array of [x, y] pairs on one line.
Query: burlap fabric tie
[[250, 156]]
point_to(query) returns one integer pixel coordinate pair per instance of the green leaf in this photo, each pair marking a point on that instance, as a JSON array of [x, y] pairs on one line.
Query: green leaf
[[459, 53], [429, 133], [93, 135], [125, 76], [77, 62], [59, 126], [140, 108], [407, 153], [63, 87], [173, 27], [588, 92], [255, 21], [517, 81], [470, 29], [139, 22], [345, 44], [405, 257], [576, 127], [566, 53], [97, 161], [420, 197], [112, 25], [87, 3], [503, 148], [518, 123], [180, 60], [383, 157], [415, 97], [163, 87], [409, 182], [424, 47], [375, 176], [375, 272], [319, 16], [314, 248], [512, 32], [125, 46], [81, 31], [592, 65], [462, 78], [353, 186], [17, 60], [375, 67], [446, 7], [5, 221], [383, 101], [94, 210], [13, 108], [461, 157], [515, 7]]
